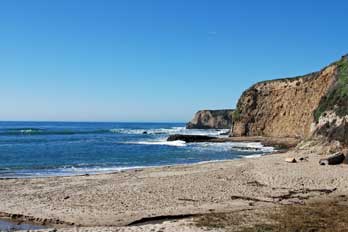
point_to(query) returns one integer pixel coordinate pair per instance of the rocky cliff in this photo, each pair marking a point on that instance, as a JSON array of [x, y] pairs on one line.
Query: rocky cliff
[[211, 119], [332, 113], [313, 104]]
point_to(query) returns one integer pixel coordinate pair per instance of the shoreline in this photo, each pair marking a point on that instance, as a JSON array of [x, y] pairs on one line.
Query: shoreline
[[251, 156], [120, 199]]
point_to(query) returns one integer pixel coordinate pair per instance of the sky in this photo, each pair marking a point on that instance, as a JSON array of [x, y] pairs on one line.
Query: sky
[[155, 60]]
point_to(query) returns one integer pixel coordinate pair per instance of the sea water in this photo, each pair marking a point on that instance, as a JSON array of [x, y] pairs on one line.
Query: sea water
[[37, 149]]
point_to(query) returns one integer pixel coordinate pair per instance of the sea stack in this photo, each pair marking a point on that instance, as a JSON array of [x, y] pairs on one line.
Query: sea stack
[[211, 119]]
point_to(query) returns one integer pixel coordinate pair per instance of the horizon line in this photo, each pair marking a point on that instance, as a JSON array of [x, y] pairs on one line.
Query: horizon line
[[86, 121]]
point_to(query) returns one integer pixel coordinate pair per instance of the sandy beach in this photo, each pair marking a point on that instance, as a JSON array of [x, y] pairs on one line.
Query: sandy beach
[[174, 195]]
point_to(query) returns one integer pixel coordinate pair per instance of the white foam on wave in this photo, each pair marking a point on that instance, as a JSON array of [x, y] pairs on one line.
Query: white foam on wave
[[250, 150], [176, 143], [233, 146], [28, 131], [252, 146], [218, 147], [67, 171], [251, 156], [171, 131]]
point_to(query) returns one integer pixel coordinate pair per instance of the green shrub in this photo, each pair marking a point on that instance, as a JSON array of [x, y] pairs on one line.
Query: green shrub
[[337, 97], [236, 115]]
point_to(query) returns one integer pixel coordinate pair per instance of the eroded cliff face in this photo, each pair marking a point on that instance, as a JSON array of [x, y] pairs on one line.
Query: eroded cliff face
[[211, 119], [332, 127], [332, 113], [285, 107]]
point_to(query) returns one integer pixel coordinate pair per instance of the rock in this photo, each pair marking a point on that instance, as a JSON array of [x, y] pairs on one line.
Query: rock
[[246, 148], [335, 159], [190, 138], [303, 159], [333, 127], [323, 162], [225, 133], [211, 119], [145, 133], [291, 160]]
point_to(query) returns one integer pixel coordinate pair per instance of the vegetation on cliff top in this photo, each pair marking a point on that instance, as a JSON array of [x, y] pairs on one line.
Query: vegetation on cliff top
[[337, 97]]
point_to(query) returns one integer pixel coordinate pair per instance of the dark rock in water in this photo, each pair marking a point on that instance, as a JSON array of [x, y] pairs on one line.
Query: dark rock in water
[[190, 138], [211, 119], [225, 133], [335, 159], [145, 133], [246, 148]]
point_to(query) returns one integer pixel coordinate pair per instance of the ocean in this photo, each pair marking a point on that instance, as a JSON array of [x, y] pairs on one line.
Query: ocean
[[41, 149]]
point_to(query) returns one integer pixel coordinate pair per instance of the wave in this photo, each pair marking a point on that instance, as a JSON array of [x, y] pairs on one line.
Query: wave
[[245, 147], [170, 131], [23, 130], [36, 131], [63, 171], [252, 147], [136, 131], [251, 156], [176, 143]]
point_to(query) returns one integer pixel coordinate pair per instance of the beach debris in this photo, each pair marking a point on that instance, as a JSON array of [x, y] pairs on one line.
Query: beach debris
[[303, 158], [256, 183], [290, 160], [162, 218], [66, 198], [334, 159], [295, 196], [187, 199], [246, 198]]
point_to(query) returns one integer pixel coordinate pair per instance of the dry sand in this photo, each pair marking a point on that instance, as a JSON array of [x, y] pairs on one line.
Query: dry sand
[[110, 202]]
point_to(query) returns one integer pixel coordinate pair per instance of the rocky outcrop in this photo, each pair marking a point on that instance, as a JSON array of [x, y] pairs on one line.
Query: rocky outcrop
[[332, 127], [191, 138], [211, 119], [312, 105]]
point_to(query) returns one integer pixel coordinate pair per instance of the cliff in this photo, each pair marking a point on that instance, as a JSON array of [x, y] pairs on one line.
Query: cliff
[[211, 119], [332, 113], [315, 104]]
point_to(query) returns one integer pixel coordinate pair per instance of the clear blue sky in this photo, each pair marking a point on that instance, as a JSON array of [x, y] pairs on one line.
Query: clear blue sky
[[150, 60]]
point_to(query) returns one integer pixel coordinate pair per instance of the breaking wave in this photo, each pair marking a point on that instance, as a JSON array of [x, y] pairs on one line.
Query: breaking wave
[[177, 143], [245, 147], [170, 131], [159, 131]]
